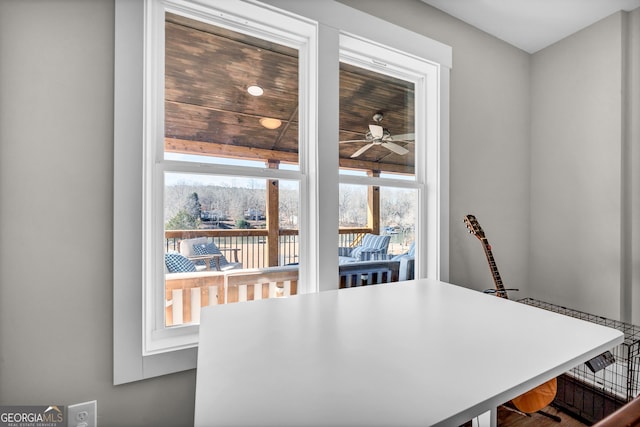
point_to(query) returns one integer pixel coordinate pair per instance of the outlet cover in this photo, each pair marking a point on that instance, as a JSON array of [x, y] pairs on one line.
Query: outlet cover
[[83, 414]]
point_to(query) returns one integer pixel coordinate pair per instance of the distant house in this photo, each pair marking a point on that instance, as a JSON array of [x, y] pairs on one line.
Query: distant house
[[254, 214], [213, 216]]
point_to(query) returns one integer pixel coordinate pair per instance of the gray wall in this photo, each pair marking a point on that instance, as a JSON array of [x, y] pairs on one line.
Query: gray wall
[[56, 190], [56, 174], [581, 172], [576, 177]]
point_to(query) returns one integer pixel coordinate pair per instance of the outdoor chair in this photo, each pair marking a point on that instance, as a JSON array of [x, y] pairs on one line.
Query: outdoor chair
[[178, 263], [407, 263], [372, 247], [200, 247]]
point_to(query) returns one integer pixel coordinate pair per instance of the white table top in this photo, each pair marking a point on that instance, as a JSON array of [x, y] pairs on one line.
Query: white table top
[[412, 353]]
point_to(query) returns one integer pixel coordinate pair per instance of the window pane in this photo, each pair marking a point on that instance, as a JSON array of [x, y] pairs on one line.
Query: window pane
[[228, 96], [352, 206], [369, 250], [230, 99], [398, 207], [376, 122], [216, 225], [377, 140]]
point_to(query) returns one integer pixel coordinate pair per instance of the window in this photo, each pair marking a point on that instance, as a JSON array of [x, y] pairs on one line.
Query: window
[[222, 144], [198, 147], [382, 156]]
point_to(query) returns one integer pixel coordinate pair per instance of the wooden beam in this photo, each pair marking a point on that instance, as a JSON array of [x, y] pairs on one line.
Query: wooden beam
[[184, 146], [376, 166], [203, 148], [373, 205], [273, 218]]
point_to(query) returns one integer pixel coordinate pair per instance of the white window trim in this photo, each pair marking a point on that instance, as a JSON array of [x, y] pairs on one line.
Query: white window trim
[[130, 364], [240, 17]]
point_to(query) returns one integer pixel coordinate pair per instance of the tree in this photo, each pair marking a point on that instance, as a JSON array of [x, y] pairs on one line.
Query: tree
[[352, 205], [193, 206], [183, 220], [187, 218], [242, 223], [289, 208]]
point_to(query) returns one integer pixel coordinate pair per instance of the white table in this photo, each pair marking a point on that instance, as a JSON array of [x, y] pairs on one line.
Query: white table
[[412, 353]]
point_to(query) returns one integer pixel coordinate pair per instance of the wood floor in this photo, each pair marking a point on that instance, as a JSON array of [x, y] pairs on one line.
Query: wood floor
[[510, 418]]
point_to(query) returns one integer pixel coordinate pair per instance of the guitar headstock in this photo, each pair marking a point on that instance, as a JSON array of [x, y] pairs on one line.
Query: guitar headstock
[[474, 227]]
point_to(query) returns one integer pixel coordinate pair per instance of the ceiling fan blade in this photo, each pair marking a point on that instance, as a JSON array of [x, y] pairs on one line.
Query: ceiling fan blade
[[395, 148], [409, 137], [353, 140], [377, 131], [362, 150]]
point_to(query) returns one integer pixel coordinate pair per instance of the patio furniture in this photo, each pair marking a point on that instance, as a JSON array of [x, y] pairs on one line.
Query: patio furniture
[[200, 246], [372, 247], [407, 263], [178, 263], [211, 261], [368, 273]]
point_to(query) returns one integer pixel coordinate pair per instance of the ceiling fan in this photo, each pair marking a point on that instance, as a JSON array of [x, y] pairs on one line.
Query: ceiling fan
[[377, 135]]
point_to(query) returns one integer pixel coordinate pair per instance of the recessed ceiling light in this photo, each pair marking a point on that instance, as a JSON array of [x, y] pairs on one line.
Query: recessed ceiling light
[[255, 90], [270, 123]]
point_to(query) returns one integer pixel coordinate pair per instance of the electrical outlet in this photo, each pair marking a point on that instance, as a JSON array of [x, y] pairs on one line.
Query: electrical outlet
[[83, 414]]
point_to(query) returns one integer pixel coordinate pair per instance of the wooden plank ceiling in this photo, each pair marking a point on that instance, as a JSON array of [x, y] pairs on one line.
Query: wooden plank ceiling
[[208, 110]]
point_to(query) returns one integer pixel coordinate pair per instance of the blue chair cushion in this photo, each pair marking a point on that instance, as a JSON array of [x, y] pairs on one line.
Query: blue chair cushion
[[371, 243], [178, 263], [411, 253], [407, 263], [209, 249]]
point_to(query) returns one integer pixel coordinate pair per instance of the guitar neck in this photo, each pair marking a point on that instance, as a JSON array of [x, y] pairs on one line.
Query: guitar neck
[[497, 280]]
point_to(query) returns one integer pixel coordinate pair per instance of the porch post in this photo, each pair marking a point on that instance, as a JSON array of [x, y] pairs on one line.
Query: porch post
[[273, 217], [373, 204]]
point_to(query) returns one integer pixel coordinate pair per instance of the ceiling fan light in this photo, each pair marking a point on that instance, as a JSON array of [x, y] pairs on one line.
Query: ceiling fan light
[[255, 90], [377, 131], [270, 123]]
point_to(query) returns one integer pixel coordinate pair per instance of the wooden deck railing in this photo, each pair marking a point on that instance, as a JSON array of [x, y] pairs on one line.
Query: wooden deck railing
[[253, 243], [186, 293], [261, 283]]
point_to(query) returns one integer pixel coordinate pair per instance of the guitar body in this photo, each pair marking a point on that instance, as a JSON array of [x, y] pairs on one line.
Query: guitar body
[[543, 395], [538, 398]]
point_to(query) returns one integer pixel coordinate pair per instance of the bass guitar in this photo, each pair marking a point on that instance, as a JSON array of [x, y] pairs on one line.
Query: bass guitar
[[541, 396]]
